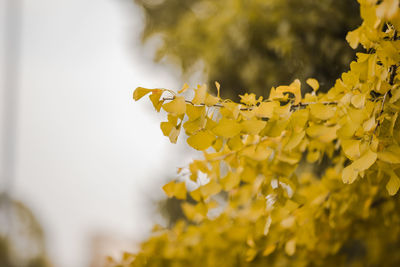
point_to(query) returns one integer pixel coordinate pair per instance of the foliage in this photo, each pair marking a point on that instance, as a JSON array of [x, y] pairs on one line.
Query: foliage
[[21, 236], [253, 45], [262, 203]]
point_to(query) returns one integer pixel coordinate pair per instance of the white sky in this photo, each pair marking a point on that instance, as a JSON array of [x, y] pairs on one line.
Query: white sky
[[88, 156]]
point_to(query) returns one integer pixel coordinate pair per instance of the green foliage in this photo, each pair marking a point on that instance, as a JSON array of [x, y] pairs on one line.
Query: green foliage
[[263, 203], [253, 45]]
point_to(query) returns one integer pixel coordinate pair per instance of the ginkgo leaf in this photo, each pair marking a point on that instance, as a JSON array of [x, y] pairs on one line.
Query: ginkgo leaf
[[200, 95], [393, 185], [166, 127], [230, 181], [265, 109], [353, 38], [218, 86], [390, 154], [313, 83], [249, 99], [218, 143], [358, 100], [169, 188], [369, 124], [269, 249], [387, 9], [211, 188], [180, 190], [351, 148], [294, 140], [365, 161], [184, 88], [248, 174], [176, 106], [253, 126], [140, 92], [349, 174], [193, 125], [155, 99], [174, 189], [173, 135], [290, 247], [201, 140], [211, 100], [194, 112], [235, 143], [322, 112], [227, 128], [321, 132]]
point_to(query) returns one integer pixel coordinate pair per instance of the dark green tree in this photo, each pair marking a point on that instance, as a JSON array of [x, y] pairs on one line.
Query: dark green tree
[[249, 46]]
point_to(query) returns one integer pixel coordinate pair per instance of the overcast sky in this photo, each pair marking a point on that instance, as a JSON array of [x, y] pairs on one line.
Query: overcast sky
[[88, 156]]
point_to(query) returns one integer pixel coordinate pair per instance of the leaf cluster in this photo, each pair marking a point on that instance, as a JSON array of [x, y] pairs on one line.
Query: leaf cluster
[[262, 203]]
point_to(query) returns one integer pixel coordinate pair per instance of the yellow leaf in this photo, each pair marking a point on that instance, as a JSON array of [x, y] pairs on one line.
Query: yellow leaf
[[231, 180], [248, 174], [322, 112], [200, 95], [269, 249], [258, 153], [265, 110], [351, 148], [169, 189], [294, 140], [155, 99], [253, 126], [358, 100], [196, 194], [235, 143], [212, 188], [353, 38], [180, 190], [249, 99], [173, 135], [227, 128], [321, 132], [393, 185], [166, 127], [369, 124], [174, 189], [194, 112], [251, 253], [230, 109], [365, 161], [211, 100], [293, 88], [176, 106], [140, 92], [387, 9], [288, 222], [218, 86], [184, 88], [349, 175], [390, 154], [193, 125], [299, 119], [313, 83], [201, 140], [218, 144], [290, 247]]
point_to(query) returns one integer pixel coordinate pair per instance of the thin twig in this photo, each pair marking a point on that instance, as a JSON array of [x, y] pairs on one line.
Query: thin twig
[[219, 105]]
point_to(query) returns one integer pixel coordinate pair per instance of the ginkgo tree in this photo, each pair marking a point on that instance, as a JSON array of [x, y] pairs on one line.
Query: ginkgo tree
[[259, 200]]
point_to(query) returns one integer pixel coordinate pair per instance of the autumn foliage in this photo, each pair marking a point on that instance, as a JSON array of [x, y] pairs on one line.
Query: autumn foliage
[[261, 197]]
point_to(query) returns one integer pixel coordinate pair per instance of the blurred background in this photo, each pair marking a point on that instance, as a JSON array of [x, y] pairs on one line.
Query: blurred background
[[82, 165]]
